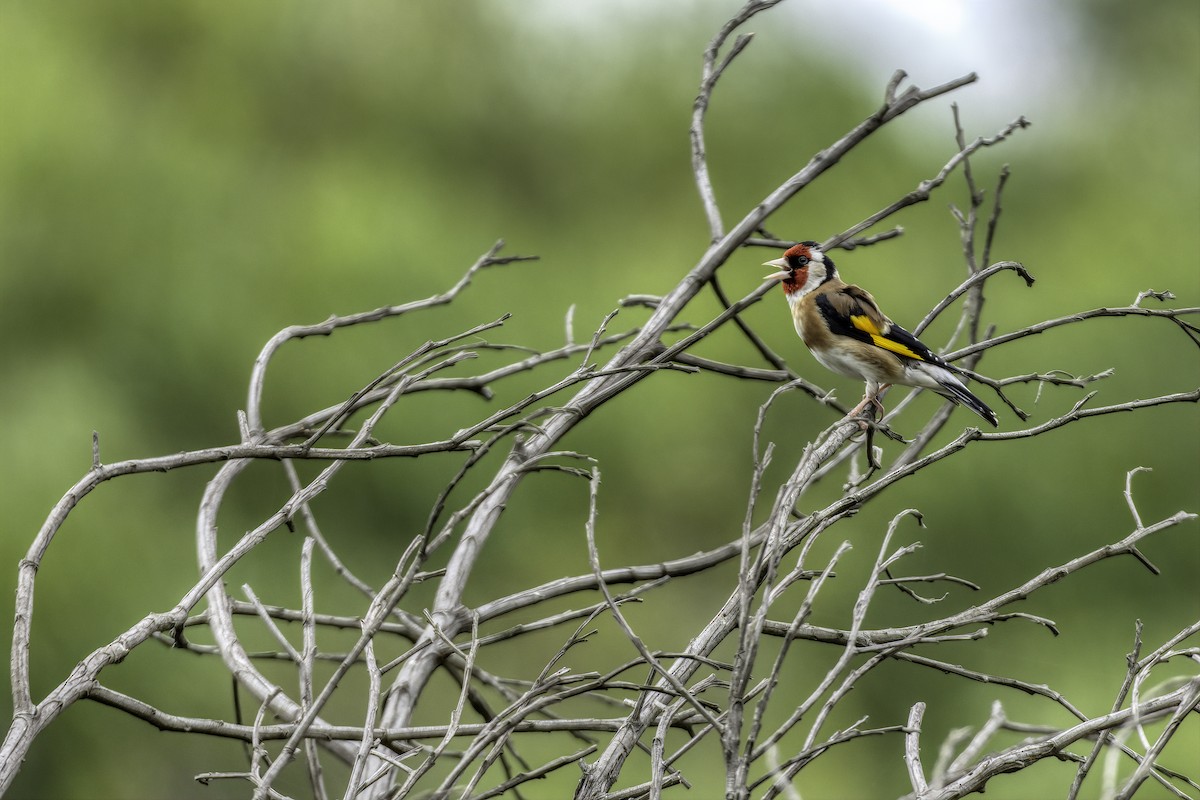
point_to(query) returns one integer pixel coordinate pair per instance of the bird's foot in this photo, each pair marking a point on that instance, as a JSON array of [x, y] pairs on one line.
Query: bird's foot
[[876, 401], [862, 404], [868, 399]]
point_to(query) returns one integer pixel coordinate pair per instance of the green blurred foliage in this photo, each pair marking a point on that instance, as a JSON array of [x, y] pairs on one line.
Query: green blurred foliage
[[179, 181]]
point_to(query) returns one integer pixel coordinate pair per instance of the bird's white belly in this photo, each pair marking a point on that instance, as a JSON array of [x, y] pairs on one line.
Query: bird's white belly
[[843, 364]]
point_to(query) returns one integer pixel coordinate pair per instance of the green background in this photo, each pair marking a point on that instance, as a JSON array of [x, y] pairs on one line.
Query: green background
[[180, 181]]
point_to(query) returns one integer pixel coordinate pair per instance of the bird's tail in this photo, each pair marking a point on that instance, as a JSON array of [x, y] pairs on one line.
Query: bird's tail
[[954, 390]]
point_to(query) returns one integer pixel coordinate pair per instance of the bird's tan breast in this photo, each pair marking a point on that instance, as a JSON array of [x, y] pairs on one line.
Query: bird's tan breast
[[809, 324]]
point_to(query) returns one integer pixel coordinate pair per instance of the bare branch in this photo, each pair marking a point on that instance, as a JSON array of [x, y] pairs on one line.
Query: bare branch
[[912, 749], [1020, 756], [723, 684]]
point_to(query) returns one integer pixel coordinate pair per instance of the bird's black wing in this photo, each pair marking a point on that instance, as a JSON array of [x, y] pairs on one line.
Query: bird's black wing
[[853, 312]]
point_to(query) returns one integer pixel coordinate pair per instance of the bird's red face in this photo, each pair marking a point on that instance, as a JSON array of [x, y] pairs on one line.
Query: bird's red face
[[793, 267]]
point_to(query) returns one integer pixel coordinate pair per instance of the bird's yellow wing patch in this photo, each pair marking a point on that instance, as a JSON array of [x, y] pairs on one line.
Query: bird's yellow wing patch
[[894, 346], [865, 324], [868, 326]]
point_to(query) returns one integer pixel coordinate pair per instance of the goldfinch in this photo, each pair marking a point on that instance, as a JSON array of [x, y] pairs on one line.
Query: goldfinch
[[845, 331]]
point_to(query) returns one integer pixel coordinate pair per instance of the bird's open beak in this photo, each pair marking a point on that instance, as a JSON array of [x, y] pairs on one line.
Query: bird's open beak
[[782, 267]]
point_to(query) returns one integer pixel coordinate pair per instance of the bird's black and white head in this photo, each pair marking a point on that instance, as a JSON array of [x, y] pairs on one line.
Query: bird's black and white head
[[801, 269]]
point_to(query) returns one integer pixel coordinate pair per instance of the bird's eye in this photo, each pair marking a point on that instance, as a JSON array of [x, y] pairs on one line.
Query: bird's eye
[[798, 261]]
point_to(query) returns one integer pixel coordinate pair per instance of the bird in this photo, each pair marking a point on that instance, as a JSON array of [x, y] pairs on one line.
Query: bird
[[843, 328]]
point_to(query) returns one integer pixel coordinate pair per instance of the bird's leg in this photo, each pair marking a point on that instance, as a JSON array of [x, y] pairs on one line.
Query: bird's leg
[[862, 404], [881, 425], [868, 399], [875, 398], [871, 398]]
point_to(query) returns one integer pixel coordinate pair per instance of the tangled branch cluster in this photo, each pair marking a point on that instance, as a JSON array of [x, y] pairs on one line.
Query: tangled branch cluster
[[686, 700]]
